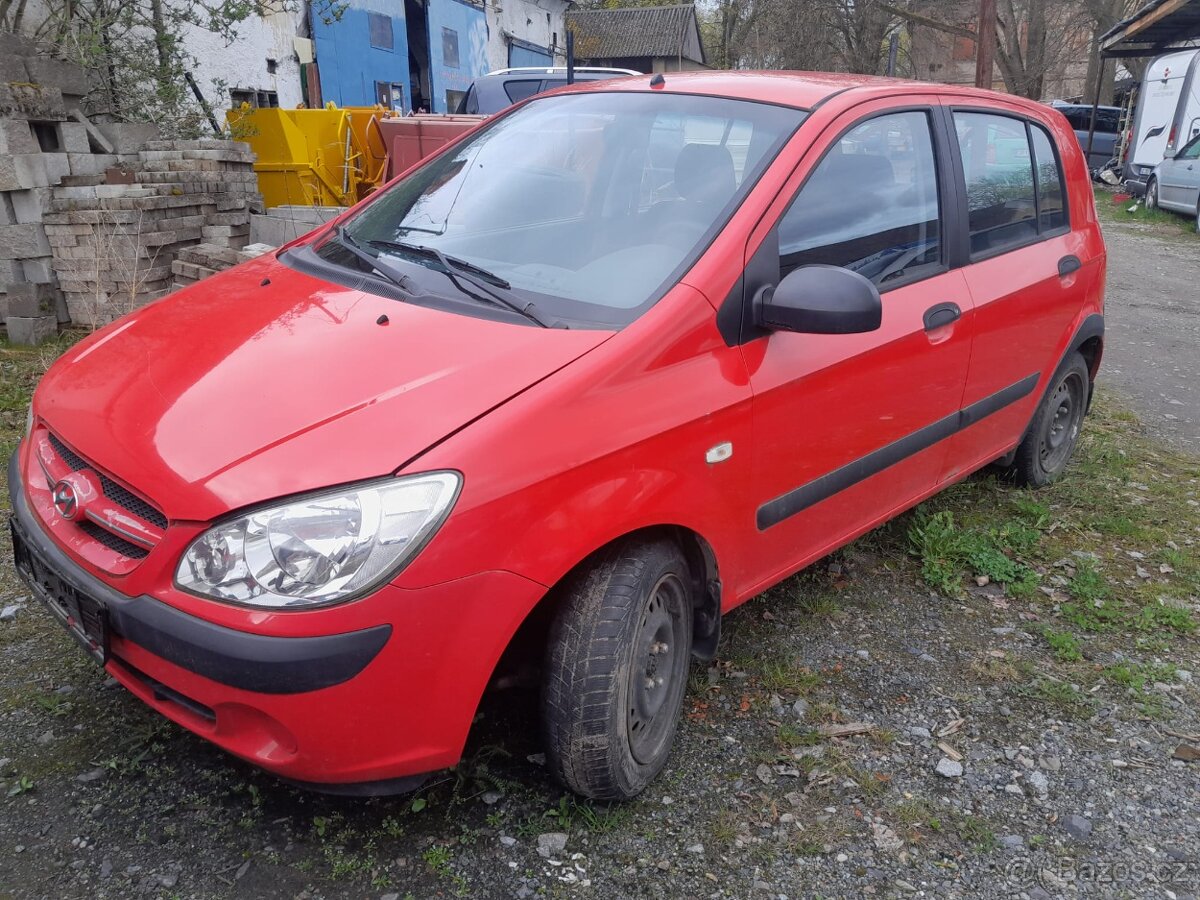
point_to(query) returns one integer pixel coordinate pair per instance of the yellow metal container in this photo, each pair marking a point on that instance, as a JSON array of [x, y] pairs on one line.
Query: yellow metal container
[[313, 157]]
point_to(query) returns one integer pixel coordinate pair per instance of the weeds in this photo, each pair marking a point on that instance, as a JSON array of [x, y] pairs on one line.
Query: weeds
[[948, 551]]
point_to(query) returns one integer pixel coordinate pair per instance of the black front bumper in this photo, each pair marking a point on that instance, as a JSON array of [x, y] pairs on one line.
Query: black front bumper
[[251, 662]]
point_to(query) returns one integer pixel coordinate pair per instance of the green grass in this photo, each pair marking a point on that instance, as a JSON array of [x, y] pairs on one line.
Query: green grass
[[1064, 644], [949, 552], [1161, 219]]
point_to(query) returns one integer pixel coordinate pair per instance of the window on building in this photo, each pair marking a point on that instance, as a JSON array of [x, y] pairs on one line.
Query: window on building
[[256, 99], [998, 169], [450, 48], [871, 205], [381, 31]]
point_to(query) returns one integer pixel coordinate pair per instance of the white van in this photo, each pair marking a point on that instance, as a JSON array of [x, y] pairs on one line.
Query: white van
[[1168, 114]]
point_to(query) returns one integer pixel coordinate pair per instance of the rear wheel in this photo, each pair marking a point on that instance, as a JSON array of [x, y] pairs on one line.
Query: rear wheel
[[1152, 194], [616, 670], [1048, 446]]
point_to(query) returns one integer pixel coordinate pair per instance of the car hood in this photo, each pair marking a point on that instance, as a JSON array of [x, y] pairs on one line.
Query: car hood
[[263, 381]]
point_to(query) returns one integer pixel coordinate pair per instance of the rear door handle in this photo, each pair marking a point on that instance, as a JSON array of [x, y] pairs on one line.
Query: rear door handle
[[1067, 265], [941, 314]]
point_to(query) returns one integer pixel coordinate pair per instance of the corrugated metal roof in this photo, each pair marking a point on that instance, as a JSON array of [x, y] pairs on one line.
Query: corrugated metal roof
[[634, 31]]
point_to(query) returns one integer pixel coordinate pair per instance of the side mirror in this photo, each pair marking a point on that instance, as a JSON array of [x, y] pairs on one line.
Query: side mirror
[[820, 299]]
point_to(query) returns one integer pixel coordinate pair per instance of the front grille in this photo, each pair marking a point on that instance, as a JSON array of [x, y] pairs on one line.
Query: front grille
[[69, 456], [112, 490], [112, 541]]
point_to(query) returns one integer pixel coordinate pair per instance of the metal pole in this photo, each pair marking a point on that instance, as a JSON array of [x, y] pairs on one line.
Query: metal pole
[[570, 56], [212, 120], [985, 44], [1087, 153]]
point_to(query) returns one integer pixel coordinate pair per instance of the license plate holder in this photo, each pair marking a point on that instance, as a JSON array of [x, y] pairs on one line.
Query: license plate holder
[[84, 617]]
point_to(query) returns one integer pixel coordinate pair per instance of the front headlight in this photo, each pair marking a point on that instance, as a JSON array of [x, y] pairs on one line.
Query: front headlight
[[318, 549]]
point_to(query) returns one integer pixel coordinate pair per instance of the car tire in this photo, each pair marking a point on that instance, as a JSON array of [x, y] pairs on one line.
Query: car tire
[[616, 669], [1053, 434], [1152, 194]]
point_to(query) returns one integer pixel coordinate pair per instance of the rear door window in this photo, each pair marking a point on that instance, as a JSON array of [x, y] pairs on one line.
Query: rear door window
[[1052, 211], [871, 205], [520, 90], [998, 171]]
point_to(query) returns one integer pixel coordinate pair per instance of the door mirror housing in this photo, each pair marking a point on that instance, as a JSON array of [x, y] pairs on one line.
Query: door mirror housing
[[820, 299]]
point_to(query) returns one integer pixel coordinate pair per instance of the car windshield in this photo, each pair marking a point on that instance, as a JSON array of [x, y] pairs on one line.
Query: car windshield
[[585, 205]]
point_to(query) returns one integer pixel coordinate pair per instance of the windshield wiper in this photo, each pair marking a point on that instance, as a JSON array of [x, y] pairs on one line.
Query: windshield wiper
[[462, 264], [395, 276], [459, 270]]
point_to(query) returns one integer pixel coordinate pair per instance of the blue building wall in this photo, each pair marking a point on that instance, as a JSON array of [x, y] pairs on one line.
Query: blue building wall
[[470, 25], [349, 66]]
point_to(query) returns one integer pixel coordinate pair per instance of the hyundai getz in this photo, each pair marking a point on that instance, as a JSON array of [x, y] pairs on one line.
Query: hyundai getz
[[617, 360]]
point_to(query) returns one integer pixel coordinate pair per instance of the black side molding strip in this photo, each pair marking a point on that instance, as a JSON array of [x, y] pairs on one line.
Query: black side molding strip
[[253, 662], [794, 501]]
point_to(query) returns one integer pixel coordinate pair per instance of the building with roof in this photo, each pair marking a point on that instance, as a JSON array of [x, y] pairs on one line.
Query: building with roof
[[645, 39]]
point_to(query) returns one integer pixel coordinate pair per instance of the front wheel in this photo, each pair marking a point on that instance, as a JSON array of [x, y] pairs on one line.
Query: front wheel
[[1152, 194], [1050, 442], [616, 669]]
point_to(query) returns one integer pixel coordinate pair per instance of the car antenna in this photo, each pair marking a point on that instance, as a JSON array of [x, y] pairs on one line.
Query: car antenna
[[570, 56], [658, 80]]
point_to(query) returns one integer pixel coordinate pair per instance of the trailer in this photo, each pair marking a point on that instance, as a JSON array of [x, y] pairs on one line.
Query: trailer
[[1168, 114]]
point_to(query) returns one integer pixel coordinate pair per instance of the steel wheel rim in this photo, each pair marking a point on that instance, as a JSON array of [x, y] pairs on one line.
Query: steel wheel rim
[[1152, 195], [657, 670], [1061, 428]]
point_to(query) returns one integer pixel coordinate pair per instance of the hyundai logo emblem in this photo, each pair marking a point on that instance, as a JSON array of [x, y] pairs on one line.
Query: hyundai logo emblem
[[65, 500]]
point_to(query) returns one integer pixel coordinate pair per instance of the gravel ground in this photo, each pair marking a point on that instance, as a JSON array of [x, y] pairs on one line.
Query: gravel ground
[[990, 697], [1152, 355]]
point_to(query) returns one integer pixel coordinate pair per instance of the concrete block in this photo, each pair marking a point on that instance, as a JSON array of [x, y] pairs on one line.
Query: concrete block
[[16, 45], [127, 137], [57, 167], [39, 271], [21, 172], [23, 242], [31, 300], [8, 215], [73, 138], [67, 77], [29, 206], [31, 101], [88, 164], [12, 68], [10, 272], [17, 137], [96, 138], [31, 330]]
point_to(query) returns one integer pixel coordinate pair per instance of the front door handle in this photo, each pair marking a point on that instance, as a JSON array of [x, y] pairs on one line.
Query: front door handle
[[1067, 265], [941, 314]]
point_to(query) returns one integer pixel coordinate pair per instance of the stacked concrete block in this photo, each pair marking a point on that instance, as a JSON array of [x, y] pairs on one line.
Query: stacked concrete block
[[44, 141], [114, 246], [196, 263], [281, 224]]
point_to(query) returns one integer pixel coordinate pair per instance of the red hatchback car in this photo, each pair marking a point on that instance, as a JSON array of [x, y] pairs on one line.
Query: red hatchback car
[[617, 360]]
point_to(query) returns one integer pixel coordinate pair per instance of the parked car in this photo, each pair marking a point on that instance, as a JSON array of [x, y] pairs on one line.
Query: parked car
[[1107, 134], [529, 398], [504, 87], [1175, 184], [1167, 117]]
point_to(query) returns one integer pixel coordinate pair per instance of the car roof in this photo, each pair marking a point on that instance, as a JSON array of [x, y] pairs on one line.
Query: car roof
[[804, 90]]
